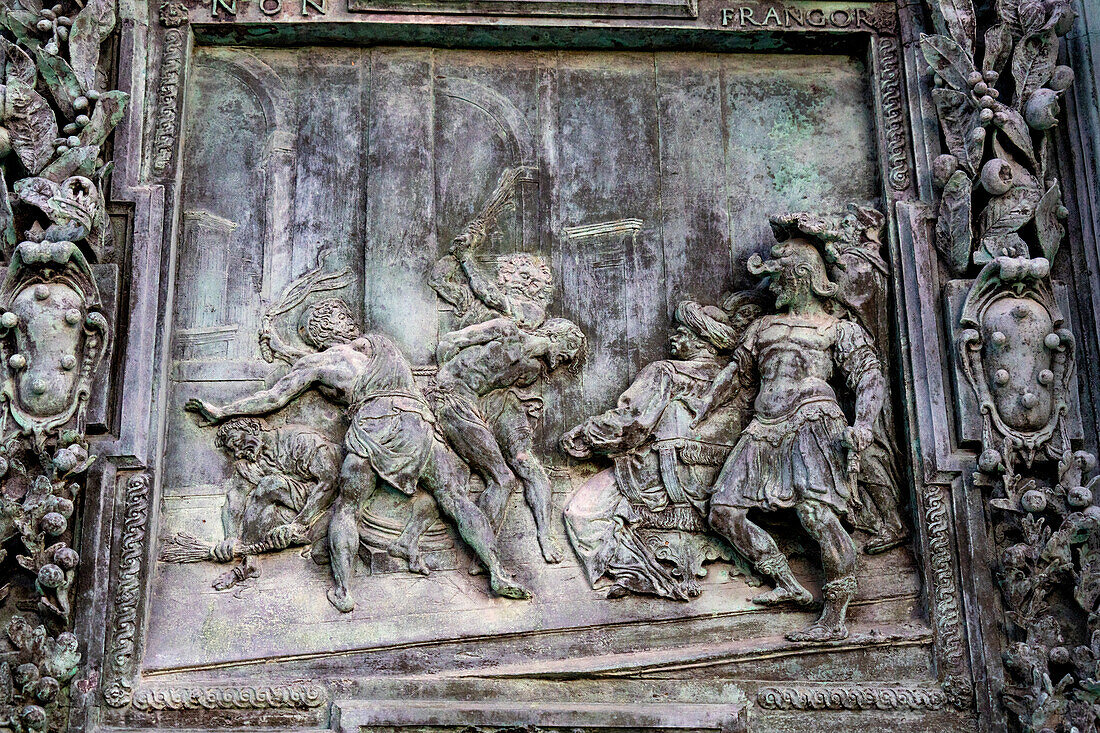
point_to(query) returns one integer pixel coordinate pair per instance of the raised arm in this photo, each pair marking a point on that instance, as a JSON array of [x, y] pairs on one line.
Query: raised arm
[[483, 286], [451, 284], [273, 347], [458, 279]]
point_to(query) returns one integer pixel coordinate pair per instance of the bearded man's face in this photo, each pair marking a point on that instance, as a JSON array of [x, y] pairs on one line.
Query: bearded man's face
[[243, 446], [526, 281]]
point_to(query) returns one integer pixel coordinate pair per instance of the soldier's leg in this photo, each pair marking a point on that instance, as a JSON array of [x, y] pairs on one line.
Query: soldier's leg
[[517, 440], [473, 441], [891, 532], [758, 547], [839, 559], [407, 546], [445, 476], [357, 483]]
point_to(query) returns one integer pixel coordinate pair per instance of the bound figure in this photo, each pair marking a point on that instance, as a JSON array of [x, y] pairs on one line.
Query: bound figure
[[663, 468], [283, 483]]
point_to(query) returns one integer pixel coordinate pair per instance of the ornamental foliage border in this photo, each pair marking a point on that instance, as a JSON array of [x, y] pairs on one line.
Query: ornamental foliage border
[[56, 114], [1000, 222]]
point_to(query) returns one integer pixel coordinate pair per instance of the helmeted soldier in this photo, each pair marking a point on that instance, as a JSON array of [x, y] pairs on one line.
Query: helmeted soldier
[[798, 451]]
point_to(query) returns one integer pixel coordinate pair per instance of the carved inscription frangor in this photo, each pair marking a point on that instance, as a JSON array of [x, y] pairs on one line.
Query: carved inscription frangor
[[799, 17]]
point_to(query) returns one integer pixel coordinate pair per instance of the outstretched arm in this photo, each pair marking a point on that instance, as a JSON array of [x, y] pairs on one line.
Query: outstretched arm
[[297, 381], [479, 333], [628, 424]]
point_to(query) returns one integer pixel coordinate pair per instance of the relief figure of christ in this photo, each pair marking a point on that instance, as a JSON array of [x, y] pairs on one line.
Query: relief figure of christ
[[391, 437]]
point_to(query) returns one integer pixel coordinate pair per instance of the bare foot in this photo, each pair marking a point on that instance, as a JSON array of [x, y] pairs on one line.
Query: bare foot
[[780, 595], [411, 556], [504, 586], [819, 632], [341, 599], [551, 550], [235, 576]]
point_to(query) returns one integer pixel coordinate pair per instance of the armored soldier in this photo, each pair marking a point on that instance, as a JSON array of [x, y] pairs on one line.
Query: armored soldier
[[798, 452]]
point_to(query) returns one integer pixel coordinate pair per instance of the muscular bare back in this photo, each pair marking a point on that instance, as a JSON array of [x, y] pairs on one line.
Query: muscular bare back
[[348, 373], [344, 374], [492, 355]]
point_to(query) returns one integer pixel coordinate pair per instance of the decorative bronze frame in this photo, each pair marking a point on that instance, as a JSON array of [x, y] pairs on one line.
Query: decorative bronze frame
[[123, 504]]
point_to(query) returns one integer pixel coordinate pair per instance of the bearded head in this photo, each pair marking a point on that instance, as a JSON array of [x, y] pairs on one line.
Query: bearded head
[[527, 276], [328, 322]]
